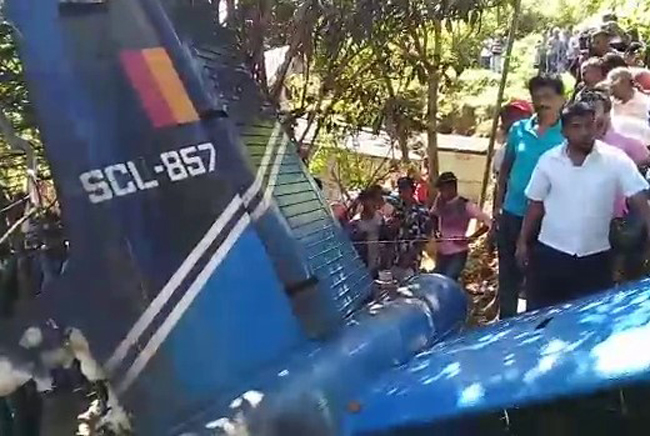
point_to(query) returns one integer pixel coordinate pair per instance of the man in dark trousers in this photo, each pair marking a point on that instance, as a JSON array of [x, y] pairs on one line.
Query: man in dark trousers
[[572, 194], [527, 141]]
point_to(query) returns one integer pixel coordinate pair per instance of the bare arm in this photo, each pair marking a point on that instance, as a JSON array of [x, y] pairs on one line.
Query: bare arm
[[502, 183], [483, 219], [483, 229], [640, 203], [634, 187], [532, 220]]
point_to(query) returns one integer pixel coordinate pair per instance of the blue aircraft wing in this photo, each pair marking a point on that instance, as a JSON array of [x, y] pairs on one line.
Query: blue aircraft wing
[[574, 349]]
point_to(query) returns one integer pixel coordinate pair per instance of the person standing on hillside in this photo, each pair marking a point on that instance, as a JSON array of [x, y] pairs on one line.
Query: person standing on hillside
[[601, 42], [634, 54], [572, 193], [591, 73], [527, 141], [609, 134], [421, 185], [486, 54], [497, 51], [367, 228], [541, 55], [556, 52]]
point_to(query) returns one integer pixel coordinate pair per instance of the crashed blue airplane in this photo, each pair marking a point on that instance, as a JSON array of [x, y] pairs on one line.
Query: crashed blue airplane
[[210, 288]]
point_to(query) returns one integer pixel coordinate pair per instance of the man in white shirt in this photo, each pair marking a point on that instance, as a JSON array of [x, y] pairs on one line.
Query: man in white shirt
[[572, 194]]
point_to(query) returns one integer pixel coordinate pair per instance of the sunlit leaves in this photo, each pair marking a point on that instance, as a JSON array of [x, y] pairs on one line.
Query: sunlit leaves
[[14, 102]]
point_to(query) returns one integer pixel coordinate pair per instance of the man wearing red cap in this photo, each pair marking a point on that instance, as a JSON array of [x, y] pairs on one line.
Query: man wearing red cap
[[510, 113]]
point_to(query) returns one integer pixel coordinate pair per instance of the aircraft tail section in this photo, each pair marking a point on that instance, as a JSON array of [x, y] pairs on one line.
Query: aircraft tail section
[[168, 277], [342, 282], [201, 250]]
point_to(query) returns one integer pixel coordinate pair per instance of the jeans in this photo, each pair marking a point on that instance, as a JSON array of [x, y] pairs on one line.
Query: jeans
[[451, 265], [557, 277], [511, 277]]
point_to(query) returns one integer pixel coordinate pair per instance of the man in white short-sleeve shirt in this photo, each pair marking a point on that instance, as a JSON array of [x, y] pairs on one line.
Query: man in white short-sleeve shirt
[[572, 194]]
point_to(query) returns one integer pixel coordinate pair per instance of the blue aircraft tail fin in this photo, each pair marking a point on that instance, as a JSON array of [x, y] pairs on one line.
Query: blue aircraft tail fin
[[201, 251]]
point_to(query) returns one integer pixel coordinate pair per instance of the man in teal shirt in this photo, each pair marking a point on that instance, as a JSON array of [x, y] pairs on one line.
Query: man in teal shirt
[[527, 140]]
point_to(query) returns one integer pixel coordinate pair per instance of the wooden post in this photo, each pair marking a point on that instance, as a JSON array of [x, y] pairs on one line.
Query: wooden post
[[433, 83], [502, 87]]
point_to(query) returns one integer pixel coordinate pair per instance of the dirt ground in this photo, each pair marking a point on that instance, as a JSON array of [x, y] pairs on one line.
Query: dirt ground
[[479, 280]]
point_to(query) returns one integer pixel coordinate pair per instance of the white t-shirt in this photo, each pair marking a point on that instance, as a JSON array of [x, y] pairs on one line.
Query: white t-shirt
[[497, 160], [637, 107], [579, 200], [371, 228]]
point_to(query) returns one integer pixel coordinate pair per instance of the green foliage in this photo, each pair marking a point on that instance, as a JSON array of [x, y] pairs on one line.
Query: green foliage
[[351, 171], [14, 102]]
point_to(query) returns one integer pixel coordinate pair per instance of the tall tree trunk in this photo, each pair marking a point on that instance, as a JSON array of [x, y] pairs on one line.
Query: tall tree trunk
[[314, 146], [261, 18], [230, 14], [402, 140], [216, 5], [432, 105], [502, 86]]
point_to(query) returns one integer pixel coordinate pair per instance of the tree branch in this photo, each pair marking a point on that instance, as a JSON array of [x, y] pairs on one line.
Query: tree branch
[[304, 17]]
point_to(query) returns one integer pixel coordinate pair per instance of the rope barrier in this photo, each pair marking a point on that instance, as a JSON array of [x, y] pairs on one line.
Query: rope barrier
[[17, 225], [412, 240], [14, 204]]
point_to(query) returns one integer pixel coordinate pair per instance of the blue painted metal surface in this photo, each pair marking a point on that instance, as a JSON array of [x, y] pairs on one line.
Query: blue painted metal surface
[[237, 282], [157, 280], [311, 391], [594, 344]]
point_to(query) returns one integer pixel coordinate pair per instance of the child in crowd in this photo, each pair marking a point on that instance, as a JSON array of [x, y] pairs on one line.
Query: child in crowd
[[410, 228], [367, 228], [452, 215]]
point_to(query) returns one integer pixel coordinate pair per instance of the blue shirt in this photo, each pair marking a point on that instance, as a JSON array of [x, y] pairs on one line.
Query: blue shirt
[[525, 146]]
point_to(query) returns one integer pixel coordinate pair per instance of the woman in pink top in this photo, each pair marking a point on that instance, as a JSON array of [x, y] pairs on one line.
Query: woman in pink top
[[452, 215]]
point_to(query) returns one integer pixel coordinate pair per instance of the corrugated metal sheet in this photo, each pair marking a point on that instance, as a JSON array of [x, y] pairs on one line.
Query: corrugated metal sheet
[[329, 253]]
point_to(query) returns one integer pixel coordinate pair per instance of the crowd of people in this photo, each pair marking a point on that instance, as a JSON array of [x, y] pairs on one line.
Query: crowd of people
[[571, 199], [564, 181], [391, 232], [564, 50], [554, 51]]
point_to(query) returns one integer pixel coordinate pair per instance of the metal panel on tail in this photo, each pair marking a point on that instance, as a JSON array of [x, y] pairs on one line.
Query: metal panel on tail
[[290, 192]]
